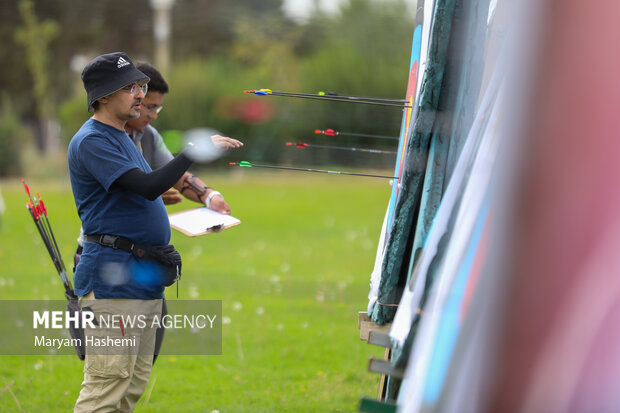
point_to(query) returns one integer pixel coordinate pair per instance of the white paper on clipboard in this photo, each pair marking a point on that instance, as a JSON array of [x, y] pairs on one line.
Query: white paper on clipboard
[[201, 221]]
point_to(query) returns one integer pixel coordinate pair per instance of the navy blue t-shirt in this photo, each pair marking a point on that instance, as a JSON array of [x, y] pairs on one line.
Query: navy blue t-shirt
[[98, 155]]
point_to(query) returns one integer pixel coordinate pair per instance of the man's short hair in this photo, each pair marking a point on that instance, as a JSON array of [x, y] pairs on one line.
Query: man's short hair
[[157, 82]]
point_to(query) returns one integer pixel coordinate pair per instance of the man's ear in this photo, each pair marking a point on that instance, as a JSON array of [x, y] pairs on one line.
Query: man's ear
[[103, 100]]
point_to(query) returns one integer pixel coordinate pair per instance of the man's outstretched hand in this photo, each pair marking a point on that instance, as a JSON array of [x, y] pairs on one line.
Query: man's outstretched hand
[[224, 143]]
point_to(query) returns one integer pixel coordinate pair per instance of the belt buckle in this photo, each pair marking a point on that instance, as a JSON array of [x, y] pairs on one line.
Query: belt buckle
[[108, 241]]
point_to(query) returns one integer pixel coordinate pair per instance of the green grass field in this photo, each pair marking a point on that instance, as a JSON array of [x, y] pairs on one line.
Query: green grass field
[[291, 278]]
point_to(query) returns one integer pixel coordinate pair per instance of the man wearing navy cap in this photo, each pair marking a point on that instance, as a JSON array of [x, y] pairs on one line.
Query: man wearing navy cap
[[150, 143], [117, 196]]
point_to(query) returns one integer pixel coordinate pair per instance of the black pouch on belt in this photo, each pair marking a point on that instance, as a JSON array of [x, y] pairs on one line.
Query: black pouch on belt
[[166, 255]]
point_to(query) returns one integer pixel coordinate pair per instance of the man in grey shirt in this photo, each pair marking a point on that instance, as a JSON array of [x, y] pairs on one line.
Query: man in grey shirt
[[150, 142]]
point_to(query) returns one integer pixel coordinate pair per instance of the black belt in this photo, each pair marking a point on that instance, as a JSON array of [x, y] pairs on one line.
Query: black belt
[[165, 255], [118, 243]]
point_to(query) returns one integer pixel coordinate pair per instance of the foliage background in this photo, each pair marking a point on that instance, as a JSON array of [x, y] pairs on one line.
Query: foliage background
[[220, 48]]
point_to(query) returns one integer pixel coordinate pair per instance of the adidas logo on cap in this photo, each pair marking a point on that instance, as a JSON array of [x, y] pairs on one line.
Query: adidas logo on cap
[[121, 62]]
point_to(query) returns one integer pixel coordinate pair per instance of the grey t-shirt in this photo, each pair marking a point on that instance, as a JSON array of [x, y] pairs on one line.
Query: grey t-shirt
[[152, 146]]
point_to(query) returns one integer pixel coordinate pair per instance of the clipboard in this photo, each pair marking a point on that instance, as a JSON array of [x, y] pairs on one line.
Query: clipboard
[[200, 221]]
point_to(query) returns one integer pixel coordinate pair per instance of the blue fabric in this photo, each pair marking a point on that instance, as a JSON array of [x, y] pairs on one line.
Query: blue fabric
[[98, 155]]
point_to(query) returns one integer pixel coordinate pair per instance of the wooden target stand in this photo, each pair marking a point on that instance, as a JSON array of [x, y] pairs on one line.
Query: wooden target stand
[[377, 335]]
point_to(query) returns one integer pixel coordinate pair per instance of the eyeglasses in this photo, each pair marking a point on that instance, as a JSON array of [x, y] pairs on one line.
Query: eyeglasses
[[135, 89], [153, 109]]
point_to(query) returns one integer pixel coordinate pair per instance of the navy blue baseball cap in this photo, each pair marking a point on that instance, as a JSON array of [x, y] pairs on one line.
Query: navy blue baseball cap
[[108, 73]]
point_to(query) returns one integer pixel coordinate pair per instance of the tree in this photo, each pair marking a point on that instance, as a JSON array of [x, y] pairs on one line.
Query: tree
[[35, 37]]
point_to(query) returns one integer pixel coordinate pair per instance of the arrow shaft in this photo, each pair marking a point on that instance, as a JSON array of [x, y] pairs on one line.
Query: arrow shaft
[[349, 148], [63, 269], [289, 168], [331, 132], [53, 238], [364, 135], [337, 96], [336, 99], [46, 242]]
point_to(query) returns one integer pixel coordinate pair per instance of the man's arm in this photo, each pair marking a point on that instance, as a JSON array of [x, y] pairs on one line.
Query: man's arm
[[195, 189], [152, 184], [162, 155]]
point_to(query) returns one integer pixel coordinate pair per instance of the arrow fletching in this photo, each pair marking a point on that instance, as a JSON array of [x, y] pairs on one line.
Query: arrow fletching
[[300, 145], [26, 187], [43, 208]]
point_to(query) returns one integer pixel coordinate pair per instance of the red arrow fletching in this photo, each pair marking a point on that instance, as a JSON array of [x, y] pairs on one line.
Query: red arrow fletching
[[43, 208], [26, 187]]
